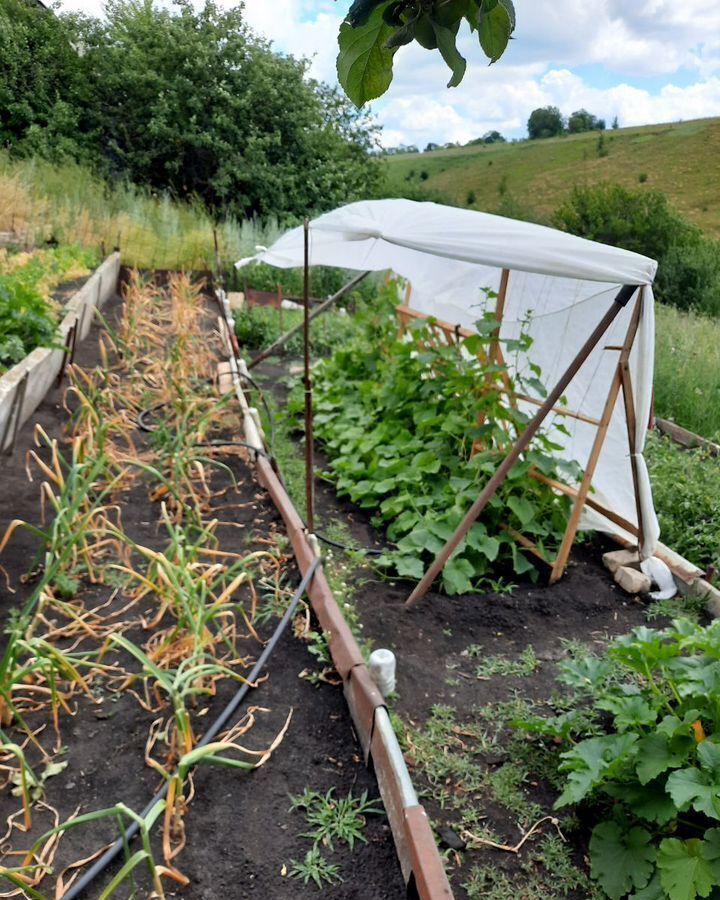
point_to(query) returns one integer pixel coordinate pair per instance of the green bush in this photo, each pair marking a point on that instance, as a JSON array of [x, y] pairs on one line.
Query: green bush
[[27, 315], [643, 221], [687, 370], [257, 327], [689, 276], [686, 490]]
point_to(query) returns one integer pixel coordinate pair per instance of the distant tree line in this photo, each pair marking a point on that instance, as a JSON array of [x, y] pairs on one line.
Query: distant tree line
[[184, 100], [548, 121]]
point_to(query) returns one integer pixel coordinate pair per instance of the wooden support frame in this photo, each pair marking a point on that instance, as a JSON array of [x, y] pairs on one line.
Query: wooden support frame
[[580, 495], [620, 380]]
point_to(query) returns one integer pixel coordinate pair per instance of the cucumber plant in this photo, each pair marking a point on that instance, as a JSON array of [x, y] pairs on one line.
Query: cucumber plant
[[414, 429]]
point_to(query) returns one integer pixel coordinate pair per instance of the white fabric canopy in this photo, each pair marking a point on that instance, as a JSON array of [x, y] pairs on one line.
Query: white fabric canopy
[[559, 287]]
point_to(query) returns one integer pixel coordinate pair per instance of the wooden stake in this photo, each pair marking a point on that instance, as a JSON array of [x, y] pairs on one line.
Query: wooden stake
[[584, 488], [309, 461]]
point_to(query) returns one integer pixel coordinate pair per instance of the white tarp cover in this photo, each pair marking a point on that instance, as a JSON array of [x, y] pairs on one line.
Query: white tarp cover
[[559, 285]]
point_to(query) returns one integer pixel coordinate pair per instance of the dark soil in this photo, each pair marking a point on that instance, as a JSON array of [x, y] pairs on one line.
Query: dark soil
[[240, 834], [431, 644], [66, 291]]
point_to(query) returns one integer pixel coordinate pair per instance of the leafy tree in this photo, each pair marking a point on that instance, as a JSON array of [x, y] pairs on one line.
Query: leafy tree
[[374, 29], [581, 120], [193, 102], [615, 124], [41, 88], [545, 122]]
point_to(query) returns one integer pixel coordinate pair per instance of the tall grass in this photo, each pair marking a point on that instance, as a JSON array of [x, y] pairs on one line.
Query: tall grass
[[687, 370], [41, 201]]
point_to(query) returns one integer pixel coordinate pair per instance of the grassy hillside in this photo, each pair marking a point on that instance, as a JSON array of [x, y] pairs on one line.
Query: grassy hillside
[[682, 160]]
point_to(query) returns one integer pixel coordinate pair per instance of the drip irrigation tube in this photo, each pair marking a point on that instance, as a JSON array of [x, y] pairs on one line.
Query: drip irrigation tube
[[144, 426], [101, 864]]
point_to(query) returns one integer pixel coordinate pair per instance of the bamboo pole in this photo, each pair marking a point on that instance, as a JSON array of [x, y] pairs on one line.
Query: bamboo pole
[[621, 300]]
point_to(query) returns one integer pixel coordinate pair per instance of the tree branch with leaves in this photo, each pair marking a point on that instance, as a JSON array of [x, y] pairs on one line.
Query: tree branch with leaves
[[373, 30]]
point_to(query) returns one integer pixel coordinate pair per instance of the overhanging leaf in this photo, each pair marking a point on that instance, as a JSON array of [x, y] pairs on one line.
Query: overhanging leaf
[[495, 28], [364, 63], [450, 53]]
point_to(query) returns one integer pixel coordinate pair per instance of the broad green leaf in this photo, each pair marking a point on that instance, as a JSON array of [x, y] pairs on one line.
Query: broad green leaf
[[649, 802], [510, 7], [427, 461], [621, 860], [657, 753], [653, 891], [629, 712], [684, 873], [450, 53], [364, 63], [592, 761], [479, 540], [456, 576], [495, 28], [711, 848], [361, 9], [410, 567], [691, 787], [523, 508], [521, 563], [587, 672]]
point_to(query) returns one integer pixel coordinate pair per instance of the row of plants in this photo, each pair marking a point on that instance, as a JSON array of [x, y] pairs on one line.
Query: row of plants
[[165, 626], [28, 315], [414, 427]]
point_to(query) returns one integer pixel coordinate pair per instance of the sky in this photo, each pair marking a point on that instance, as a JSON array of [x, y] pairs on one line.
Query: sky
[[646, 61]]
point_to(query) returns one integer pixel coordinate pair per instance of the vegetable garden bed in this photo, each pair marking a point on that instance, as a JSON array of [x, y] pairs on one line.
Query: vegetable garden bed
[[477, 680], [122, 491], [49, 345]]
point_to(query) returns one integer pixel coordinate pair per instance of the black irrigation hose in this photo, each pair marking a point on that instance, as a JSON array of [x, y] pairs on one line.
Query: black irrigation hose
[[101, 864], [143, 426], [370, 551], [141, 423]]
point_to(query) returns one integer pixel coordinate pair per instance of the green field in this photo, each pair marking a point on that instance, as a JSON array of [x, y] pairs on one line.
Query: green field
[[682, 160]]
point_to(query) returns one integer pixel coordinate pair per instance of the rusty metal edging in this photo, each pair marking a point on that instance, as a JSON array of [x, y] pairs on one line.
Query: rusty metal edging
[[417, 852]]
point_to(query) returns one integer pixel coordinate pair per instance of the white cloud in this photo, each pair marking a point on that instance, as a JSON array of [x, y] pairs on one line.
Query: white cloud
[[286, 23]]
